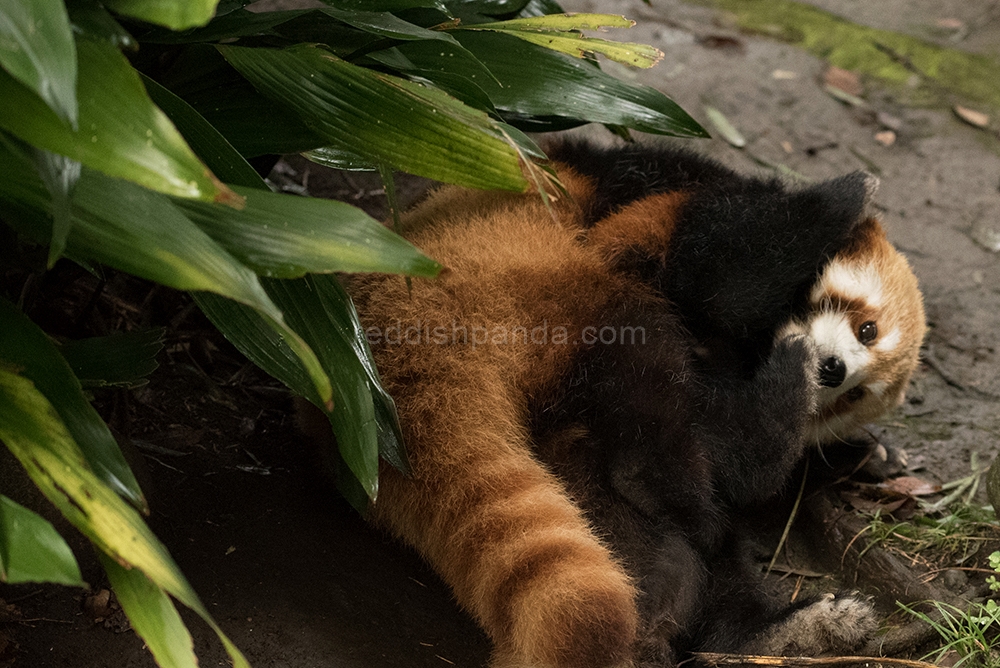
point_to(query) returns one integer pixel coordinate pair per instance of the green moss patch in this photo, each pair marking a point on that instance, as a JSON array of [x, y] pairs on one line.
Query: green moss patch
[[892, 57]]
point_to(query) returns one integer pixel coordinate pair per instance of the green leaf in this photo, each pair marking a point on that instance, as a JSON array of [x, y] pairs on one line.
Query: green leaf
[[60, 175], [338, 158], [31, 550], [383, 118], [32, 431], [284, 236], [491, 7], [141, 232], [36, 49], [23, 346], [121, 132], [250, 122], [548, 31], [385, 5], [152, 615], [557, 85], [211, 146], [344, 318], [92, 20], [253, 335], [461, 86], [364, 415], [173, 14], [387, 25], [123, 359]]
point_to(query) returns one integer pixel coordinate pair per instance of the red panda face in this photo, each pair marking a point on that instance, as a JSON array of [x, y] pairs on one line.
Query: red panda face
[[866, 320]]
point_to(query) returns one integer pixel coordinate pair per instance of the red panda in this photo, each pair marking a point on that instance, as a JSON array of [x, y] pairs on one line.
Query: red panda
[[867, 321], [585, 402]]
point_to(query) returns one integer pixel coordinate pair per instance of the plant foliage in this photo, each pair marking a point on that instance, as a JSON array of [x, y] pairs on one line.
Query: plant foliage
[[126, 127]]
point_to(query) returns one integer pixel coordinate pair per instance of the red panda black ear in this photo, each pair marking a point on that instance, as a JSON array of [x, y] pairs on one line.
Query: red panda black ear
[[847, 198]]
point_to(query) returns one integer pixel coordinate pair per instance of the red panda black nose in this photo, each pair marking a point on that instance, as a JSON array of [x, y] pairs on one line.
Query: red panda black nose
[[832, 372]]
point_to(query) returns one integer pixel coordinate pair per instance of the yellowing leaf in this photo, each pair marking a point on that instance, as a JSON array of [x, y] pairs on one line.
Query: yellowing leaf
[[557, 32]]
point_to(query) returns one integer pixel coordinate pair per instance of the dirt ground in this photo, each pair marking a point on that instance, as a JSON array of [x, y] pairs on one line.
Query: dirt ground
[[297, 580]]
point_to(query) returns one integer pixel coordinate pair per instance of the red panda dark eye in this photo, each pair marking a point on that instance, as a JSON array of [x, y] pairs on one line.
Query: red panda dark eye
[[867, 332]]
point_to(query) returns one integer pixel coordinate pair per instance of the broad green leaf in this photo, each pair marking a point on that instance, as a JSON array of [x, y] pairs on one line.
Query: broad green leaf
[[235, 24], [319, 321], [550, 32], [60, 175], [91, 19], [173, 14], [284, 236], [383, 118], [25, 347], [123, 359], [253, 335], [437, 68], [560, 23], [490, 7], [386, 25], [385, 5], [152, 615], [338, 158], [319, 308], [345, 319], [31, 550], [32, 431], [250, 122], [36, 49], [121, 132], [141, 232], [211, 146], [559, 86]]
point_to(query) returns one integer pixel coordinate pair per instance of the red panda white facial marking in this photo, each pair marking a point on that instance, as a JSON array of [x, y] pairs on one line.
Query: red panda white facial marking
[[866, 321]]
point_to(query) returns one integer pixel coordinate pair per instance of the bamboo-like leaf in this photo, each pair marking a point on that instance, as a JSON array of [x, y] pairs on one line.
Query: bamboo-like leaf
[[557, 85], [383, 118], [560, 23], [60, 175], [488, 7], [25, 347], [345, 319], [122, 359], [338, 158], [139, 231], [36, 49], [33, 432], [253, 124], [31, 550], [555, 32], [364, 415], [385, 24], [152, 615], [90, 18], [283, 236], [320, 322], [261, 343], [121, 132], [725, 127], [212, 147], [173, 14], [385, 5]]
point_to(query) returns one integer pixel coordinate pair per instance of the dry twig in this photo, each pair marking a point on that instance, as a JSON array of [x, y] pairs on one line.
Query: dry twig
[[719, 659]]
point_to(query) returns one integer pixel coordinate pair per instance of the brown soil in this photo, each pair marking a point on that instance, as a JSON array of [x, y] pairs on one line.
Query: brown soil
[[291, 573]]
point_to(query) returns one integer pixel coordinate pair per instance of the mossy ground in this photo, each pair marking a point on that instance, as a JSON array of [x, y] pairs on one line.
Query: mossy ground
[[924, 72]]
